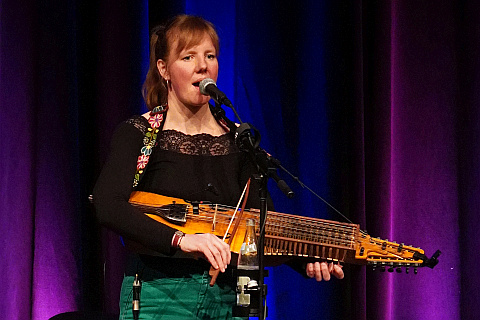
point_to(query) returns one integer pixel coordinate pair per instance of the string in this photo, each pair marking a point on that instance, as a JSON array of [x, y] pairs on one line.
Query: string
[[308, 229], [272, 216]]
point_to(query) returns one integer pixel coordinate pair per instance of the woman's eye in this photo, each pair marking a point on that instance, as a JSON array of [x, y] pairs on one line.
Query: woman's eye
[[210, 56], [187, 58]]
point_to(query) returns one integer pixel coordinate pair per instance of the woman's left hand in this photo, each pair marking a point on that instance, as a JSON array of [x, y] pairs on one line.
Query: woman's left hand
[[322, 270]]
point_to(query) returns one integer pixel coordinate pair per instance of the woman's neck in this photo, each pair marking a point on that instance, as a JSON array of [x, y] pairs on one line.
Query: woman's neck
[[192, 120]]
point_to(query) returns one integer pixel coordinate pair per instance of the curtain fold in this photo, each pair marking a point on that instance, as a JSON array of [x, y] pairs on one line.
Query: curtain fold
[[468, 157], [40, 225]]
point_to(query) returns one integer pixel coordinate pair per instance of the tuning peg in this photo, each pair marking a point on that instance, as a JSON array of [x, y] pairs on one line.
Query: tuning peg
[[382, 269], [407, 270], [415, 270], [398, 269], [400, 247], [390, 269]]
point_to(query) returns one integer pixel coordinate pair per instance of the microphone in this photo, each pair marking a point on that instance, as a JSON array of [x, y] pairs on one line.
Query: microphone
[[208, 87], [136, 297]]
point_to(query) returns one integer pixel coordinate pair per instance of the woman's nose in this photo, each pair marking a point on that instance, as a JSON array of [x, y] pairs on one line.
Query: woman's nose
[[201, 65]]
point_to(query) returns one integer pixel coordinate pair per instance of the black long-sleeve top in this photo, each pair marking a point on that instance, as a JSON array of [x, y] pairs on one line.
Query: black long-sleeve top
[[190, 167]]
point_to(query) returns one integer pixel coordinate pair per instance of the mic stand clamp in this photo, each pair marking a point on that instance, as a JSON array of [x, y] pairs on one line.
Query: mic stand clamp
[[244, 138], [249, 293]]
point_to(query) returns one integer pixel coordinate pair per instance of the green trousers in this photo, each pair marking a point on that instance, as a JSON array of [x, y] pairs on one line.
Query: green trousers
[[179, 298]]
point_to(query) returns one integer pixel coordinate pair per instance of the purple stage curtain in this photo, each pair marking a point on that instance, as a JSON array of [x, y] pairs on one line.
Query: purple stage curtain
[[59, 62], [40, 239], [411, 173], [373, 104]]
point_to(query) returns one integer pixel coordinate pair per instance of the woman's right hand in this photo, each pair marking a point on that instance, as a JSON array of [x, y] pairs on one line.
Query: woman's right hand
[[216, 251]]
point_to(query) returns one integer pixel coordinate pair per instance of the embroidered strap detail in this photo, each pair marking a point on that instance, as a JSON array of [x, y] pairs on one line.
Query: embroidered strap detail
[[156, 120]]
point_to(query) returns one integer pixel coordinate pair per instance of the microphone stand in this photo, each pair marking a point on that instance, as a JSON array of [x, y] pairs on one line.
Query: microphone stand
[[248, 142]]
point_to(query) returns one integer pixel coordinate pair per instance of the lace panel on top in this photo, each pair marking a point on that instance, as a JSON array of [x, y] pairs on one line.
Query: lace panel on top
[[199, 144], [138, 122]]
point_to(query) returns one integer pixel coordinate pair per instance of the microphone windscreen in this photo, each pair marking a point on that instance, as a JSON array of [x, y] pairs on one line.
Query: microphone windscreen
[[203, 85]]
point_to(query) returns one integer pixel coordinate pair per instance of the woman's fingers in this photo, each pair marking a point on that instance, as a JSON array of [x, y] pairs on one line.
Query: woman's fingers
[[212, 248], [323, 271], [218, 255], [338, 271]]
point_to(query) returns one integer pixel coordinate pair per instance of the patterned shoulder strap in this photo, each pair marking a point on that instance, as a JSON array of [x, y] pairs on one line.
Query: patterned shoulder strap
[[156, 120]]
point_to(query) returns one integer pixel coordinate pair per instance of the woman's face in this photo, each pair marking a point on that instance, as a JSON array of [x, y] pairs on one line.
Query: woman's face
[[186, 71]]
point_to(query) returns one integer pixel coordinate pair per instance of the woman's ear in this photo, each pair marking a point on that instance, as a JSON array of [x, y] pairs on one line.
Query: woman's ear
[[162, 69]]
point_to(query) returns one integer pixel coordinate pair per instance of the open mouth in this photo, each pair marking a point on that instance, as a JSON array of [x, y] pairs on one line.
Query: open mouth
[[196, 84]]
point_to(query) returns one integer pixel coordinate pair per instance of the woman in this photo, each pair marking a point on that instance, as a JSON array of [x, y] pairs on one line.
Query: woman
[[193, 157]]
